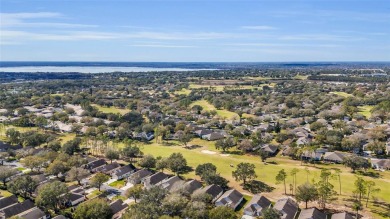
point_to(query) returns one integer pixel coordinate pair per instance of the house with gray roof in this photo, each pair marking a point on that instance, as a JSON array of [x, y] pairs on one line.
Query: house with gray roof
[[123, 172], [231, 198], [214, 190], [172, 183], [139, 176], [34, 213], [256, 206], [334, 157], [312, 213], [342, 215], [154, 180], [287, 208]]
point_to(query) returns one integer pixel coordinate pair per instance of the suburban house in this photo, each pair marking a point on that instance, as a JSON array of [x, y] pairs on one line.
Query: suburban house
[[231, 198], [191, 186], [8, 201], [41, 179], [139, 176], [334, 157], [256, 206], [118, 208], [154, 180], [34, 213], [213, 136], [271, 149], [172, 183], [342, 215], [141, 136], [380, 164], [109, 168], [214, 190], [287, 208], [312, 213], [16, 209], [75, 199], [94, 165], [123, 172], [201, 132]]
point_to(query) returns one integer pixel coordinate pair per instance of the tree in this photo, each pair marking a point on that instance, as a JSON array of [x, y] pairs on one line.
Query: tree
[[214, 178], [54, 145], [222, 212], [94, 209], [148, 161], [263, 155], [177, 163], [338, 175], [33, 162], [131, 151], [360, 188], [205, 168], [71, 146], [246, 145], [356, 162], [196, 210], [224, 144], [244, 172], [357, 206], [13, 136], [174, 204], [23, 185], [162, 164], [77, 174], [134, 192], [293, 173], [325, 192], [112, 155], [281, 177], [52, 195], [271, 213], [305, 193], [56, 168], [5, 173], [98, 180], [184, 137], [370, 189]]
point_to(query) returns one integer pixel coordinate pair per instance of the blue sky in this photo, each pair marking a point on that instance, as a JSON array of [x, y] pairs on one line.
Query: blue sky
[[203, 30]]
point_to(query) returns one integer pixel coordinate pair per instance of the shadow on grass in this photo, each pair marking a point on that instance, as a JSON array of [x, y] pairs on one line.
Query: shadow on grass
[[369, 174], [233, 152], [169, 144], [256, 186], [384, 209], [191, 147]]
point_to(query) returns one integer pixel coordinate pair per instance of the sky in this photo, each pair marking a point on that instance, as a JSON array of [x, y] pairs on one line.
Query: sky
[[195, 31]]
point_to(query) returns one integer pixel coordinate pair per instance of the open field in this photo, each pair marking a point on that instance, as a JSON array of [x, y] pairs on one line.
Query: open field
[[229, 87], [208, 107], [343, 94], [365, 110], [301, 77], [111, 109], [183, 92]]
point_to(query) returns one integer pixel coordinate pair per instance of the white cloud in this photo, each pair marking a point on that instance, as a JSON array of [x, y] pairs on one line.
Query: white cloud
[[161, 46]]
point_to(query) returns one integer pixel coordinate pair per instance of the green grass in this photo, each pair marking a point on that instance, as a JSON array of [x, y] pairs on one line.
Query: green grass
[[94, 194], [183, 91], [229, 87], [5, 193], [20, 168], [118, 184], [365, 110], [301, 77], [209, 107], [343, 94], [111, 109]]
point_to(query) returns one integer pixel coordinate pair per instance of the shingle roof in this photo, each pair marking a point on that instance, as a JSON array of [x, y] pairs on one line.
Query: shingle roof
[[257, 204], [311, 213], [192, 185], [108, 167], [18, 208], [33, 214], [231, 197], [124, 170], [288, 207], [8, 201], [334, 156], [118, 206], [342, 215], [156, 178], [213, 190], [96, 163]]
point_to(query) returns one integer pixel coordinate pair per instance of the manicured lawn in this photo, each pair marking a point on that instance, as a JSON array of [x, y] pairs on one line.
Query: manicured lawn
[[111, 109], [5, 193], [222, 113], [300, 77], [118, 184], [183, 92], [343, 94], [365, 110], [94, 194], [67, 137], [20, 168]]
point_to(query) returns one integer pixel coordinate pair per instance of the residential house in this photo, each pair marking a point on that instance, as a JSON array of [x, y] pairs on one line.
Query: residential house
[[41, 179], [75, 199], [342, 215], [256, 206], [271, 149], [34, 213], [312, 213], [154, 180], [213, 136], [191, 186], [334, 157], [214, 190], [311, 155], [95, 164], [139, 176], [143, 136], [123, 172], [201, 132], [231, 198], [8, 201], [287, 208], [380, 164], [172, 183], [5, 147], [118, 208], [109, 168], [16, 209]]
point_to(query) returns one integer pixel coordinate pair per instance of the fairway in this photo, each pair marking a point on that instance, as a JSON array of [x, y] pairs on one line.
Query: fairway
[[365, 110], [209, 107], [111, 109], [342, 94]]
